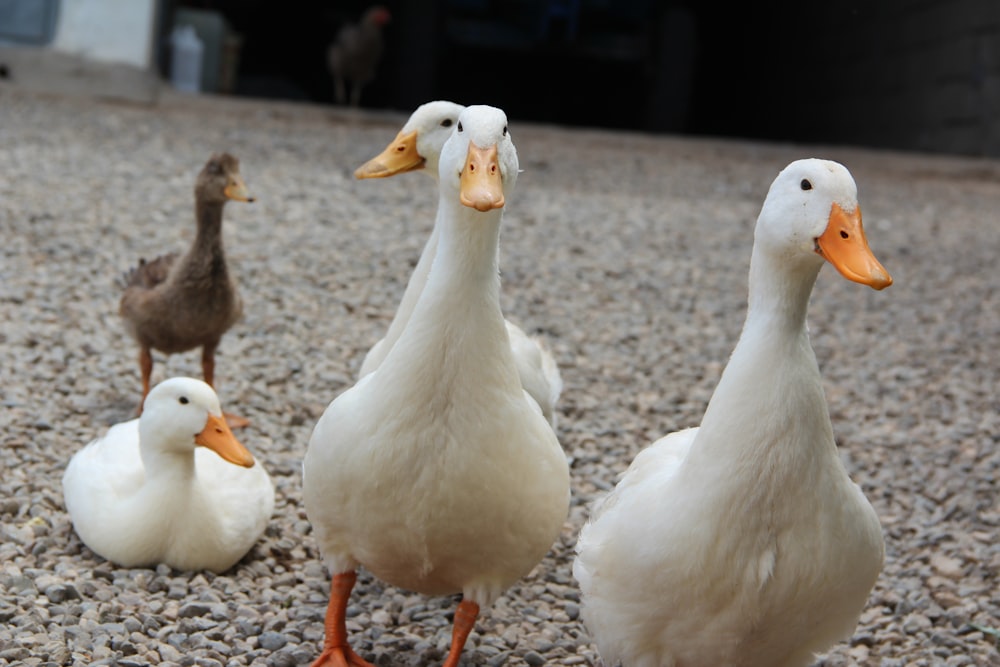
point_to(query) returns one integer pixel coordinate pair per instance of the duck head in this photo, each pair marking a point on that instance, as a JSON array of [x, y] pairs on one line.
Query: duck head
[[220, 180], [377, 16], [418, 145], [812, 211], [479, 160], [182, 413]]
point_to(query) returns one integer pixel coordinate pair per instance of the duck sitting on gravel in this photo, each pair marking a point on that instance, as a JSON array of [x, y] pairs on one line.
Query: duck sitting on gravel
[[174, 486], [744, 541], [174, 304], [437, 472], [417, 146]]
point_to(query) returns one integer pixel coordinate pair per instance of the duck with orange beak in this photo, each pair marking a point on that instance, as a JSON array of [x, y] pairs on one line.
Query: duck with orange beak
[[174, 304], [744, 541], [174, 486], [437, 472], [417, 147]]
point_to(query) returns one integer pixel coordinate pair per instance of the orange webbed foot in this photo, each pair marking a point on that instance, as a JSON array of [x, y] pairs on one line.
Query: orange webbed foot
[[235, 421], [336, 651]]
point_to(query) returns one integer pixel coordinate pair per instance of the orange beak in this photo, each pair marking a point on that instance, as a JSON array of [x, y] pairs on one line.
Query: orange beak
[[398, 157], [844, 245], [481, 183], [237, 189], [220, 439]]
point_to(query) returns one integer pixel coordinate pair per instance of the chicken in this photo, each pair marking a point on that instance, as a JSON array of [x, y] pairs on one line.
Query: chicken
[[354, 54]]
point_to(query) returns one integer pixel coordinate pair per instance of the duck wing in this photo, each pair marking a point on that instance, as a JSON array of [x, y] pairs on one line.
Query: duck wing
[[537, 367], [661, 460], [104, 473], [148, 275]]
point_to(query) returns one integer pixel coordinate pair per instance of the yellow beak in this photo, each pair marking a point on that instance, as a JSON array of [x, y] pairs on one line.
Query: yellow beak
[[481, 184], [218, 437], [398, 157], [844, 245], [236, 189]]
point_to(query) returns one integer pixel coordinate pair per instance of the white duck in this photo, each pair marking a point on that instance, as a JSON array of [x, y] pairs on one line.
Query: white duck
[[146, 494], [744, 542], [437, 472], [418, 147]]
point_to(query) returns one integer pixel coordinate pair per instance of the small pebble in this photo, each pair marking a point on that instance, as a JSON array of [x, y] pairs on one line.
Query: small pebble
[[272, 641]]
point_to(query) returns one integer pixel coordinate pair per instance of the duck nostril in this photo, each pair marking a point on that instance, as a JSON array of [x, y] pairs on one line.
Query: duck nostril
[[844, 235]]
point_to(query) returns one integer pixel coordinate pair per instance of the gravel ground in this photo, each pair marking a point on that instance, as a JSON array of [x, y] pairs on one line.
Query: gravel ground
[[628, 252]]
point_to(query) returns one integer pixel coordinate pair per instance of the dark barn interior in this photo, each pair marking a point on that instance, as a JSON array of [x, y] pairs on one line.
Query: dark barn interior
[[898, 74]]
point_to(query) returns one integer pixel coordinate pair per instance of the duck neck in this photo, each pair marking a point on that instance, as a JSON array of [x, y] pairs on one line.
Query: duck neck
[[466, 263], [207, 250], [457, 323], [171, 466], [768, 415], [414, 288], [779, 293]]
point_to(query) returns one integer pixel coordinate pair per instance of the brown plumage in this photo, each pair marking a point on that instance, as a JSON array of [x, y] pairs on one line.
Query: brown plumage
[[149, 274], [177, 303], [354, 55]]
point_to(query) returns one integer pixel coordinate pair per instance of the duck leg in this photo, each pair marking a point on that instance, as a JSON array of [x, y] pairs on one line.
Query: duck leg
[[465, 620], [336, 651], [208, 363], [146, 368], [208, 372]]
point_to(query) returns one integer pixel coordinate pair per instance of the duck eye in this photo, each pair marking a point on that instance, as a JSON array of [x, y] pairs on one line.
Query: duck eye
[[446, 122], [505, 130], [183, 400], [459, 126], [805, 184]]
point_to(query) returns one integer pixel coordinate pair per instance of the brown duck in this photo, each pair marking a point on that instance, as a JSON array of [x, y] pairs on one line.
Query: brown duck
[[177, 303]]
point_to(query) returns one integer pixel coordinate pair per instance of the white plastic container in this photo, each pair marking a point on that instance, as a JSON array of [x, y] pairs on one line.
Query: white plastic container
[[186, 58]]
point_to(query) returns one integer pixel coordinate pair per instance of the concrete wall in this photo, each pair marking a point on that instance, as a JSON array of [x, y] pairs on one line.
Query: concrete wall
[[111, 31], [105, 48]]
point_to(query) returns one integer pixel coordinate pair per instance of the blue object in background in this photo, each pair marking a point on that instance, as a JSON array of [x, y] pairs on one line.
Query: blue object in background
[[28, 21]]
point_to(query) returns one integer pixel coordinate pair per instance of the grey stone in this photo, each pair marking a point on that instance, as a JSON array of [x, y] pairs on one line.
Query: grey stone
[[193, 609], [272, 641], [281, 659], [534, 659]]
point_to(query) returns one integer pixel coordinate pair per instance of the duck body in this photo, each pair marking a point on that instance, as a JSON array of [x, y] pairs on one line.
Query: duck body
[[177, 303], [418, 146], [743, 542], [145, 494], [437, 472], [793, 561], [447, 511], [193, 304]]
